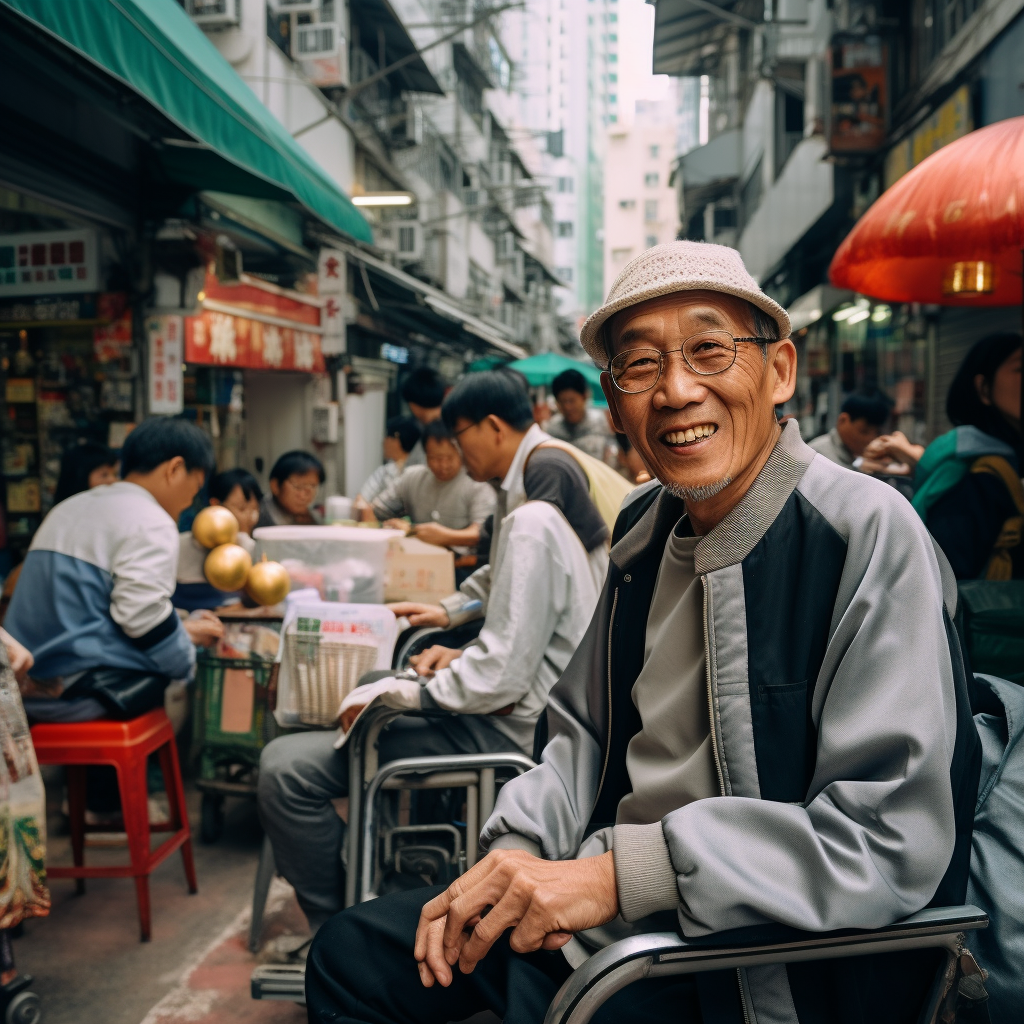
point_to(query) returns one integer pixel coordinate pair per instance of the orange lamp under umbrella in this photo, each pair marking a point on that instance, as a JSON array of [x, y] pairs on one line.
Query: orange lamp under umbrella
[[950, 231]]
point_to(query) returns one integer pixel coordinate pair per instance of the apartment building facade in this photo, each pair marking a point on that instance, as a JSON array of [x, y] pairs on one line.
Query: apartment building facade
[[808, 111]]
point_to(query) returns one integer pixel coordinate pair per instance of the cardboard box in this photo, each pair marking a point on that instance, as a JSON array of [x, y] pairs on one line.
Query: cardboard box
[[418, 572]]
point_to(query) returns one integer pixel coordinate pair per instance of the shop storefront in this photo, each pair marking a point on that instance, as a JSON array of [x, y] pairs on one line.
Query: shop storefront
[[850, 343], [68, 365]]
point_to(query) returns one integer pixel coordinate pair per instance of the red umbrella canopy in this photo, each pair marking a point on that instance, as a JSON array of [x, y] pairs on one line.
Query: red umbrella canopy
[[950, 231]]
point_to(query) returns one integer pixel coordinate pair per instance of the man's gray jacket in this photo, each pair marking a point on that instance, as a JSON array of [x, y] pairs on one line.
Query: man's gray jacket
[[846, 754]]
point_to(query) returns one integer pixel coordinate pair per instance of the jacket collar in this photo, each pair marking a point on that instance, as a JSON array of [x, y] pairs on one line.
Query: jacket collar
[[514, 485], [738, 533]]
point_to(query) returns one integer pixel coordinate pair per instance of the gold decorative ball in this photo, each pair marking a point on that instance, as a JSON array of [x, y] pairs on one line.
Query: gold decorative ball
[[227, 566], [268, 582], [215, 525]]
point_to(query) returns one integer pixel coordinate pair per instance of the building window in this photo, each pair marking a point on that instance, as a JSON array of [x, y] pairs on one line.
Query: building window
[[563, 229], [613, 37], [651, 240], [613, 17], [651, 180], [613, 77], [565, 184], [565, 273], [627, 204], [655, 150], [650, 209], [612, 98], [613, 58]]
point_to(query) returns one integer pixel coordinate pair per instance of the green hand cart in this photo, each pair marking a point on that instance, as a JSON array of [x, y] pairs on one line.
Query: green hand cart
[[233, 720]]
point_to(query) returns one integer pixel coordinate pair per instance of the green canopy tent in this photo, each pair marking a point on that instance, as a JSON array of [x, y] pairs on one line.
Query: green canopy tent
[[542, 369], [234, 144]]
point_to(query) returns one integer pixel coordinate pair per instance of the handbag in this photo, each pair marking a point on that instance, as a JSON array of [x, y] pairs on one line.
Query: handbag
[[124, 693]]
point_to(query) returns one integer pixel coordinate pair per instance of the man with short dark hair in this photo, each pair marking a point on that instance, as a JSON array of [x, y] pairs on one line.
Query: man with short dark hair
[[536, 596], [766, 722], [423, 391], [861, 419], [577, 421], [94, 599], [446, 506]]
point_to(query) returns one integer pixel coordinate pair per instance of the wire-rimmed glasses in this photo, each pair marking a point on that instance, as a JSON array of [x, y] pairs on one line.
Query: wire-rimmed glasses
[[638, 369]]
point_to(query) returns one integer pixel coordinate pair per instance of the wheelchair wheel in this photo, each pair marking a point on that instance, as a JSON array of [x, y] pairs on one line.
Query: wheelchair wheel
[[211, 823], [24, 1008]]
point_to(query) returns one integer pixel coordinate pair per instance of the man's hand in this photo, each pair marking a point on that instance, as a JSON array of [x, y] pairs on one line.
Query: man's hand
[[397, 524], [204, 628], [420, 614], [543, 901], [19, 656], [432, 533], [433, 659], [349, 715]]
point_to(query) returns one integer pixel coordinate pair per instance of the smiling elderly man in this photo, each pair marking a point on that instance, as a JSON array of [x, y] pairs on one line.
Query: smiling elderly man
[[767, 720]]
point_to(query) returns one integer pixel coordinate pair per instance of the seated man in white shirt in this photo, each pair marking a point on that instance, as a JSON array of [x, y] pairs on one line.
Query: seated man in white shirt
[[548, 558]]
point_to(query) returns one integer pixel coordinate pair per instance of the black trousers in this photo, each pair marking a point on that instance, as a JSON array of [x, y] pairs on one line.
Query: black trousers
[[361, 969]]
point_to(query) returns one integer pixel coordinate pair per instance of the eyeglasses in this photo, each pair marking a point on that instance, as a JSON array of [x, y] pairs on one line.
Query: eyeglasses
[[456, 434], [302, 488], [638, 369]]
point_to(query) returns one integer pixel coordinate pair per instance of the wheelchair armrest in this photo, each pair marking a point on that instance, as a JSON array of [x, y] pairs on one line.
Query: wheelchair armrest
[[665, 953]]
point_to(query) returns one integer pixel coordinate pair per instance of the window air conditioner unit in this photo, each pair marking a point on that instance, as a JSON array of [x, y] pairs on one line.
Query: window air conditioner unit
[[313, 41], [295, 6], [409, 129], [214, 13], [409, 239]]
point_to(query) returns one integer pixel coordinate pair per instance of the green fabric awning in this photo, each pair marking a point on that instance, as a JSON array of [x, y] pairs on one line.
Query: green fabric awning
[[542, 369], [154, 47]]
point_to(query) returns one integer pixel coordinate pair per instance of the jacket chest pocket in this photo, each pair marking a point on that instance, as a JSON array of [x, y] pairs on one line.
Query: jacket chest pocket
[[782, 695]]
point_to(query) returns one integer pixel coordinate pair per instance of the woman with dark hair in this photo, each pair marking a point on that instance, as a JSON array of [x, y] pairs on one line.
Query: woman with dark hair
[[969, 490], [83, 466], [294, 481]]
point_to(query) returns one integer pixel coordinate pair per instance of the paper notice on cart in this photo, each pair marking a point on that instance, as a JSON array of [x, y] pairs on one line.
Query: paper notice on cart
[[326, 647]]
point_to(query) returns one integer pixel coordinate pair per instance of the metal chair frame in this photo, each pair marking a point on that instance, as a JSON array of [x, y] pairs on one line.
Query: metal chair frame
[[473, 771], [662, 954]]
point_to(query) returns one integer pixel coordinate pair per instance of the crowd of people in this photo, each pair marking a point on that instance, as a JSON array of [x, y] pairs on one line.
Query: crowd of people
[[751, 698]]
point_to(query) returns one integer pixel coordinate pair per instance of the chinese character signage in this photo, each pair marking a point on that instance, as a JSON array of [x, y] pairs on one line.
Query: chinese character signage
[[859, 94], [48, 262], [950, 122], [256, 326], [165, 335]]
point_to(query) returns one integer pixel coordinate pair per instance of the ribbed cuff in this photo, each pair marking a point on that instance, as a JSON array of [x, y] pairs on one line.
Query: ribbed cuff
[[513, 841], [644, 874], [453, 605]]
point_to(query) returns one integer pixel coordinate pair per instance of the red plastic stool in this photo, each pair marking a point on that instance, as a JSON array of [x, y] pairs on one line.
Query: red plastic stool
[[125, 745]]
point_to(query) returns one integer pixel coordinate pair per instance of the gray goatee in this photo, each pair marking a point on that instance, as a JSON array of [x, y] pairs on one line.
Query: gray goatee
[[698, 494]]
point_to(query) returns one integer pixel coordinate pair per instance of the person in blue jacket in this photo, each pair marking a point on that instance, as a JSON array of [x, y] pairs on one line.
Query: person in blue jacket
[[93, 605]]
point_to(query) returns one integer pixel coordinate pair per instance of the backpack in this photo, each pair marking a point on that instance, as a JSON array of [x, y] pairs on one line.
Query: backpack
[[948, 459], [608, 489]]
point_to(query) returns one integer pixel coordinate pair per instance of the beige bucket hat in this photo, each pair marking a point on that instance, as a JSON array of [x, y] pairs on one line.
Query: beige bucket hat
[[678, 267]]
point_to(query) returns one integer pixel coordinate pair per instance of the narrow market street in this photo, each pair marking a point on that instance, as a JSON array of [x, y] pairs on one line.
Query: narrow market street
[[90, 967]]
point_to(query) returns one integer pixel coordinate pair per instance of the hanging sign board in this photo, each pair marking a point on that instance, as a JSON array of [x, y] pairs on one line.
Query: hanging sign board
[[859, 94], [257, 326], [165, 335], [49, 262]]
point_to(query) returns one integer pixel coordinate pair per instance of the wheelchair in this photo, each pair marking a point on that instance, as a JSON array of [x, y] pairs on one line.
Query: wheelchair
[[620, 964]]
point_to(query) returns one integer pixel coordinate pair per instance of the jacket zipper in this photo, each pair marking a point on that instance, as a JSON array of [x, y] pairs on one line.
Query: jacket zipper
[[608, 734], [718, 761]]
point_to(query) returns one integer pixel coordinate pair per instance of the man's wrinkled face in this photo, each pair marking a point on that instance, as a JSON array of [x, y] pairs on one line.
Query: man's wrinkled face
[[697, 433]]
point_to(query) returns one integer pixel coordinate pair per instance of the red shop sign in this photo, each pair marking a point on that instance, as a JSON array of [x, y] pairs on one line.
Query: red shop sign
[[221, 339]]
